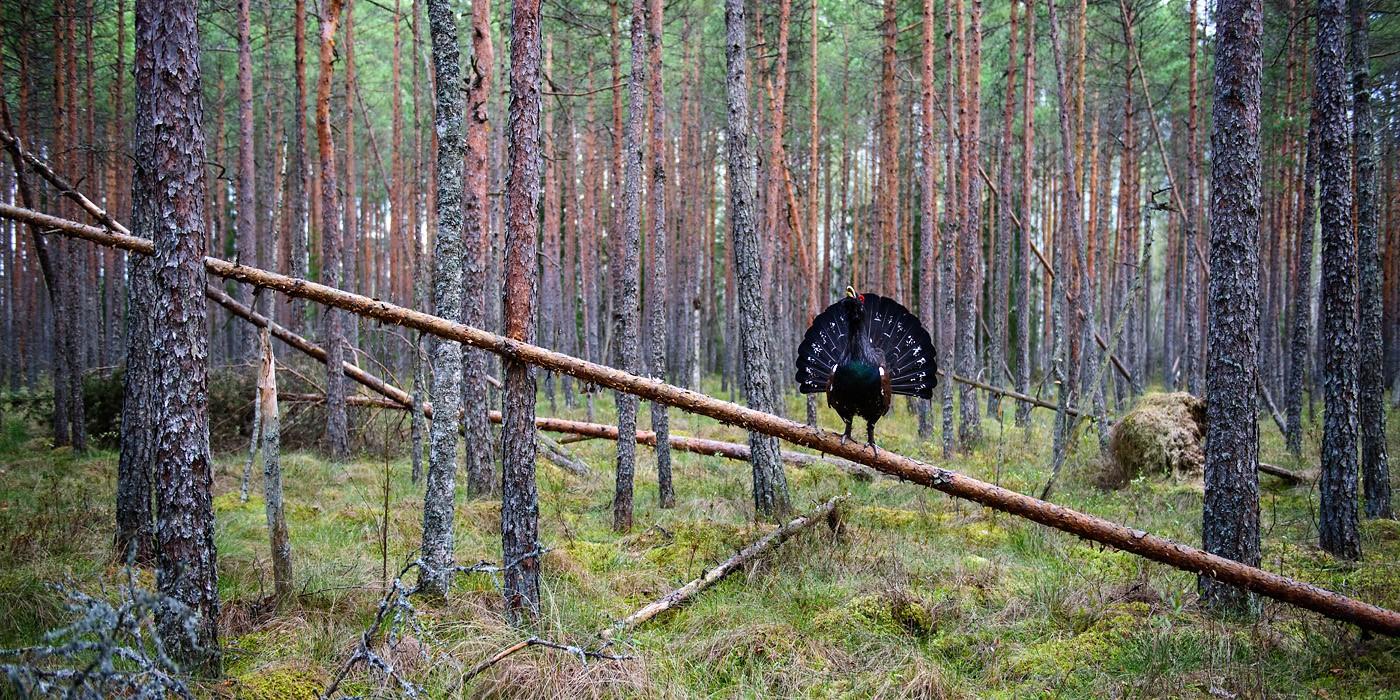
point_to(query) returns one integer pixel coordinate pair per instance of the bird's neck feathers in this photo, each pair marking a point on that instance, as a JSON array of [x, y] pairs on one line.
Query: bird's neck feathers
[[857, 344]]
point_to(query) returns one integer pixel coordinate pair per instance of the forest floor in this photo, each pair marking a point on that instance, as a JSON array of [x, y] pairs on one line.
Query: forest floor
[[921, 596]]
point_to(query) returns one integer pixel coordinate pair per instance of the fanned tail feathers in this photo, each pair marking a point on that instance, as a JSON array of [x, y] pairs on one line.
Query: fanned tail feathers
[[909, 356]]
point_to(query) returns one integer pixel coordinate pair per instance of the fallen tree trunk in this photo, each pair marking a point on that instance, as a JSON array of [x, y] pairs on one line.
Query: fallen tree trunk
[[825, 511], [703, 446], [1182, 556]]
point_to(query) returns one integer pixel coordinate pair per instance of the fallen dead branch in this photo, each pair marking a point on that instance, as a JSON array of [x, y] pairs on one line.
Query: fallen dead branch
[[583, 654], [824, 512], [1090, 527]]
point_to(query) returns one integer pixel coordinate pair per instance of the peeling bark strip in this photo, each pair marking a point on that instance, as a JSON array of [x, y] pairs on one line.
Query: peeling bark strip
[[824, 512], [1090, 527], [170, 168]]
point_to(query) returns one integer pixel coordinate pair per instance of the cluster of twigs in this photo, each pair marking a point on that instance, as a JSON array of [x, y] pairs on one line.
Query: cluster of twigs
[[109, 650], [397, 616]]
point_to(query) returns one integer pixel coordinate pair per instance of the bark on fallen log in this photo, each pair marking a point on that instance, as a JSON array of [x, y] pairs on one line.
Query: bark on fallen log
[[1090, 527], [824, 512], [703, 446]]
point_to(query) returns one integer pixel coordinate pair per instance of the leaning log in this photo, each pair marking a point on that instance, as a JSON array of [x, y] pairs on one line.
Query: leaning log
[[1181, 556], [825, 511]]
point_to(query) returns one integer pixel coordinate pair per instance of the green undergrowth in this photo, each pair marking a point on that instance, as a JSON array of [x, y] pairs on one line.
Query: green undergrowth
[[918, 595]]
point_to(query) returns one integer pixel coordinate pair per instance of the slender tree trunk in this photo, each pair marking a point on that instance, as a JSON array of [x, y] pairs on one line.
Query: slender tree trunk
[[625, 272], [1190, 282], [997, 291], [170, 164], [440, 499], [280, 543], [519, 501], [301, 177], [1337, 521], [769, 483], [1230, 515], [928, 195], [1375, 468], [245, 339], [1022, 283], [477, 247], [969, 263], [1301, 339], [656, 275], [337, 425], [1069, 221]]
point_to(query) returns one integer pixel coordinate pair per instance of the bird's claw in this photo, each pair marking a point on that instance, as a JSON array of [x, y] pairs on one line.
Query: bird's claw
[[874, 451]]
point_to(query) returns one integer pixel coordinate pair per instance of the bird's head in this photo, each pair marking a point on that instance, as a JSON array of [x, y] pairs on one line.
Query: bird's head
[[854, 304]]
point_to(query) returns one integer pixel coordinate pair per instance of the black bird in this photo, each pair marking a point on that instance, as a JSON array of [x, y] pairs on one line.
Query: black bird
[[860, 351]]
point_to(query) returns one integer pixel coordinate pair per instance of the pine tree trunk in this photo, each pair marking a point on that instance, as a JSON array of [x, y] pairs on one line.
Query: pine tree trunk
[[1375, 469], [1337, 518], [769, 482], [279, 542], [1301, 339], [245, 248], [476, 247], [170, 164], [997, 291], [440, 499], [333, 334], [969, 258], [1190, 277], [625, 270], [1230, 514], [1021, 287], [519, 500], [656, 274], [301, 177]]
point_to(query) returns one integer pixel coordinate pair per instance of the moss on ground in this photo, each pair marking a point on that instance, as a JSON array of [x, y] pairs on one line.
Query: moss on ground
[[919, 596]]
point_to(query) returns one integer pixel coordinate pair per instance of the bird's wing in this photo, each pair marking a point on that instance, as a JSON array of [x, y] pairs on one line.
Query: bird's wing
[[821, 350], [909, 354]]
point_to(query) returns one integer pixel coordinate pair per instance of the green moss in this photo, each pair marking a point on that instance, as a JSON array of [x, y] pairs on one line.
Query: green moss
[[892, 611], [278, 683], [876, 516], [1163, 434], [1087, 650]]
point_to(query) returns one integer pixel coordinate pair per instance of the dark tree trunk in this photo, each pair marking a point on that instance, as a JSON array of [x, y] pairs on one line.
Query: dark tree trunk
[[476, 251], [135, 526], [440, 499], [1337, 520], [1021, 286], [769, 482], [969, 254], [1301, 339], [170, 163], [1190, 282], [1375, 469], [1230, 517], [519, 501]]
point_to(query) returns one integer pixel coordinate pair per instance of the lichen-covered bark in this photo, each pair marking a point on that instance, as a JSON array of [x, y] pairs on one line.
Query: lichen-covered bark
[[657, 290], [1230, 513], [1190, 289], [1070, 219], [520, 508], [1375, 469], [947, 277], [928, 196], [170, 116], [440, 498], [770, 491], [476, 247], [1301, 339], [625, 270], [996, 314], [333, 333], [1337, 519]]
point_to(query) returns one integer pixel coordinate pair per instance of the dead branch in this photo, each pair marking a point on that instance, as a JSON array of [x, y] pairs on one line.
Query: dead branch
[[825, 511], [583, 654], [1160, 549]]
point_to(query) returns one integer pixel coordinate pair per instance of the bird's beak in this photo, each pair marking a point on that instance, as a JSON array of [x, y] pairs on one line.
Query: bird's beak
[[851, 292]]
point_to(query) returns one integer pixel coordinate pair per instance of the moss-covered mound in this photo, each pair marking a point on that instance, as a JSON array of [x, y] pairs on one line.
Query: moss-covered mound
[[1163, 434]]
